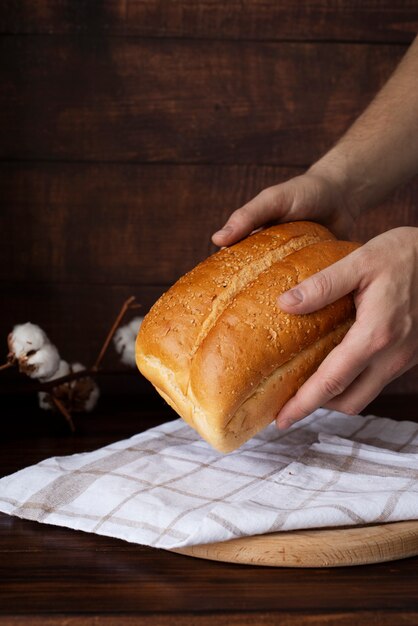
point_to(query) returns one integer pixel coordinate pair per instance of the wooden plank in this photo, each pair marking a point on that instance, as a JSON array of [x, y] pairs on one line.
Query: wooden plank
[[117, 223], [348, 618], [31, 429], [76, 317], [79, 581], [135, 411], [371, 20], [75, 245], [329, 547], [121, 99], [135, 224], [48, 571]]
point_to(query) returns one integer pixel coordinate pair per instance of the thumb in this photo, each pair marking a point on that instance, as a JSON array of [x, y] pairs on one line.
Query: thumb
[[271, 204], [322, 288]]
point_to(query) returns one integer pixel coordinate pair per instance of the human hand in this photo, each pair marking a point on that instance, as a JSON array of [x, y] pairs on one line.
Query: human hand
[[316, 195], [382, 344]]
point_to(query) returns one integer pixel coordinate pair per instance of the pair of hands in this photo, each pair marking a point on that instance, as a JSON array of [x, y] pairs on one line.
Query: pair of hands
[[382, 344]]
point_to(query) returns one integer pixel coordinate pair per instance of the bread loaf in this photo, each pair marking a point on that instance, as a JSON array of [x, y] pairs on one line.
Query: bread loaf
[[217, 346]]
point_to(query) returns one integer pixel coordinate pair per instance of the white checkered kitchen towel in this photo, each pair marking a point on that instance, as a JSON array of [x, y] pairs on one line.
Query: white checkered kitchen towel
[[168, 488]]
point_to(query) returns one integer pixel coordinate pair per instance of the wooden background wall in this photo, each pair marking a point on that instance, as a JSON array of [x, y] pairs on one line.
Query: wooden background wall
[[132, 128]]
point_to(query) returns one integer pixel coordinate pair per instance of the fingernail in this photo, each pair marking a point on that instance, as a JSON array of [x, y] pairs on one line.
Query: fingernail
[[291, 297], [224, 231]]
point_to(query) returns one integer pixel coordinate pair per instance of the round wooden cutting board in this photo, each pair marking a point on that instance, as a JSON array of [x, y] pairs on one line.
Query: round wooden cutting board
[[330, 547]]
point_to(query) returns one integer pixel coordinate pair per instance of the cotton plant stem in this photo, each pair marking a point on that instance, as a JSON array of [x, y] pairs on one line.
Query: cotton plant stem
[[56, 382], [87, 373], [50, 385], [32, 386], [128, 304], [61, 408], [6, 365]]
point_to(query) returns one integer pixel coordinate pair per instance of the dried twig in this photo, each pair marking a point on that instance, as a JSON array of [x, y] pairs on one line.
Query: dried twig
[[128, 304], [32, 386], [61, 408], [87, 373], [50, 385], [56, 382]]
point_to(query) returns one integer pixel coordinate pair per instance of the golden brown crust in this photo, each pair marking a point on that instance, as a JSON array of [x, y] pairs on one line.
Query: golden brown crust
[[217, 338], [260, 408], [178, 321], [253, 336]]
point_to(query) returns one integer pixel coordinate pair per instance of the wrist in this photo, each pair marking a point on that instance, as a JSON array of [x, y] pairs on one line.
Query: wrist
[[335, 170], [352, 180]]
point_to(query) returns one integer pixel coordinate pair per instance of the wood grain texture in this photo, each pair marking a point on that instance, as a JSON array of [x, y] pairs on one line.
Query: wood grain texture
[[117, 223], [371, 20], [90, 90], [55, 573], [357, 618], [78, 239], [141, 81], [330, 547], [76, 317], [30, 434], [136, 224], [191, 101]]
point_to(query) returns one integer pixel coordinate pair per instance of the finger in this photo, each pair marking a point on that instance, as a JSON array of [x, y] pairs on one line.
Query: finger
[[270, 204], [359, 394], [382, 370], [334, 375], [324, 287]]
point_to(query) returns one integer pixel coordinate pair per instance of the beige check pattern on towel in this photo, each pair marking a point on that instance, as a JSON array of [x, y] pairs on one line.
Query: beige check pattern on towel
[[167, 488]]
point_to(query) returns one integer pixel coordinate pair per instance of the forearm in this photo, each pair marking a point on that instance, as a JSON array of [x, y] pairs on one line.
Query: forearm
[[380, 150]]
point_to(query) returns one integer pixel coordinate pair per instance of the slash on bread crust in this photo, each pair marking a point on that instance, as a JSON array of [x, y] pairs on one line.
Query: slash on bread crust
[[216, 345]]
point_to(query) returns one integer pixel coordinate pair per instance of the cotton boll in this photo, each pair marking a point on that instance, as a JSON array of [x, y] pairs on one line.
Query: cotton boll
[[63, 370], [135, 324], [84, 394], [43, 363], [25, 338], [128, 355], [77, 367], [91, 401], [122, 337], [31, 349], [124, 341], [76, 395], [84, 391], [44, 398]]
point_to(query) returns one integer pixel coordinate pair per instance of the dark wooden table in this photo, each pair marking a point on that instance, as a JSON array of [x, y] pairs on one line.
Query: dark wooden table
[[50, 575]]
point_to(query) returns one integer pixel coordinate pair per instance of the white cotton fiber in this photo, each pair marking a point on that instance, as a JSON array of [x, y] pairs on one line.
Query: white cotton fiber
[[43, 363], [63, 370], [91, 401], [26, 337], [124, 341]]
